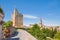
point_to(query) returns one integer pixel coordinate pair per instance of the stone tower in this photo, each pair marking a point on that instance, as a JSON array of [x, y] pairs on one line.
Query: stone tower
[[1, 20], [40, 22], [17, 19]]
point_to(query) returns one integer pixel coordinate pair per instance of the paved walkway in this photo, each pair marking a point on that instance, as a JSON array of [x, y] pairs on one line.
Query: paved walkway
[[21, 35]]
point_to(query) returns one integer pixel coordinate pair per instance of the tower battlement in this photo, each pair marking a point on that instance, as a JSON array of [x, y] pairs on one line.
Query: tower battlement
[[17, 19]]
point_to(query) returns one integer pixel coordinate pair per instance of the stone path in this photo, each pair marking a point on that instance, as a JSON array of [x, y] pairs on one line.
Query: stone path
[[22, 35]]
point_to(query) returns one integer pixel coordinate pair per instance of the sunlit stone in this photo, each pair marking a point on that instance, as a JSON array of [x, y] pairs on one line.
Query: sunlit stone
[[1, 19]]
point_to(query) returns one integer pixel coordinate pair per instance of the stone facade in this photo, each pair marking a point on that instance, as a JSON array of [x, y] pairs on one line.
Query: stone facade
[[40, 23], [17, 19], [48, 27], [1, 20]]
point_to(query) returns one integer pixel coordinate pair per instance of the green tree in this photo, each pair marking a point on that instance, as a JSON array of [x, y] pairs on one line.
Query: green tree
[[35, 31], [7, 24], [48, 32], [57, 36], [42, 33], [1, 11]]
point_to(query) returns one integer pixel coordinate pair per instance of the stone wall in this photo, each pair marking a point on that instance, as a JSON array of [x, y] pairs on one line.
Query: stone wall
[[0, 32]]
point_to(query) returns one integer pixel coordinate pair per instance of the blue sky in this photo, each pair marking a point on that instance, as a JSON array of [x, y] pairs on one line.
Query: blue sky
[[33, 10]]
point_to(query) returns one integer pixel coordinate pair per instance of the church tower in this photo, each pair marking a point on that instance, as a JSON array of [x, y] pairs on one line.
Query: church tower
[[40, 23], [17, 19]]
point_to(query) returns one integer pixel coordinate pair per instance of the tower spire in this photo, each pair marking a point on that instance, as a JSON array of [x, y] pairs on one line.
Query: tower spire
[[40, 23], [15, 11]]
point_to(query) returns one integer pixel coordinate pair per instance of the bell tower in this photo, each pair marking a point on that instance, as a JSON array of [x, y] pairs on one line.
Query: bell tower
[[17, 19], [40, 23]]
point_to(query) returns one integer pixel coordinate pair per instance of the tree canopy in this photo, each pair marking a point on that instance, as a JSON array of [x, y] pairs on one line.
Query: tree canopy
[[57, 36], [1, 11], [42, 33], [7, 24]]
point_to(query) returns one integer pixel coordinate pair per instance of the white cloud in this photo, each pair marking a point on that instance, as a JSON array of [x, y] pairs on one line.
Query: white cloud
[[30, 16], [26, 24]]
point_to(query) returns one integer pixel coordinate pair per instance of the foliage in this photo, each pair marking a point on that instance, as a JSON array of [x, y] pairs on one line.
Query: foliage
[[1, 11], [48, 32], [35, 31], [42, 33], [6, 24], [57, 36]]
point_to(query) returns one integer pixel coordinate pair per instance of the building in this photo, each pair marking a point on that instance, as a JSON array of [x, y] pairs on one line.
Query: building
[[40, 22], [48, 27], [31, 25], [17, 19], [1, 20], [57, 28]]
